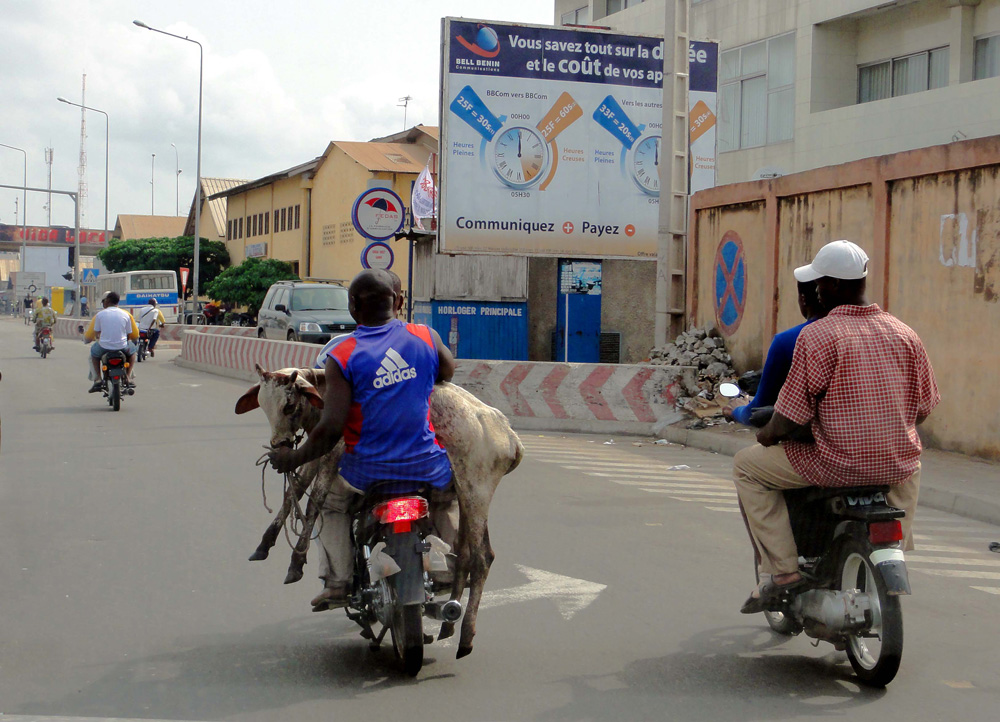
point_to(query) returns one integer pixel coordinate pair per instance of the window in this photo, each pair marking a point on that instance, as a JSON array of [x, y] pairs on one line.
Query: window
[[277, 215], [615, 6], [240, 235], [283, 214], [267, 223], [987, 62], [757, 94], [903, 75], [229, 230], [580, 16], [296, 217]]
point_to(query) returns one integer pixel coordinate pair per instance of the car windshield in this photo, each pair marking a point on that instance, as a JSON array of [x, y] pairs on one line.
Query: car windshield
[[321, 298]]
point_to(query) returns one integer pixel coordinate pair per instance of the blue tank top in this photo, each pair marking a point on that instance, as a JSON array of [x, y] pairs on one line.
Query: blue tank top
[[388, 435]]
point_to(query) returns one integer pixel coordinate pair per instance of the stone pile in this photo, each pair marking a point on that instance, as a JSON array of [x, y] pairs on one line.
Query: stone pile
[[705, 350]]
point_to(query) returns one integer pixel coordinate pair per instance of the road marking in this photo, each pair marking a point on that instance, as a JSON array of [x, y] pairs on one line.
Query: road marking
[[678, 475], [735, 509], [570, 595], [946, 548], [960, 573], [988, 590], [659, 484], [917, 559], [692, 493]]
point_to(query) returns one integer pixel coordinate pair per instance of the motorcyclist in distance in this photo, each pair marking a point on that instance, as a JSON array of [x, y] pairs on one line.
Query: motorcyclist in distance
[[45, 317]]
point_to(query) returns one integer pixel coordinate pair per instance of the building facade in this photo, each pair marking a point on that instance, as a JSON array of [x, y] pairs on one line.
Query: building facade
[[807, 84]]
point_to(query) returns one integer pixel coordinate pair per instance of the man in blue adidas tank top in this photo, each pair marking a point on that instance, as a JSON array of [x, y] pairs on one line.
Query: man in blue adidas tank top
[[378, 387]]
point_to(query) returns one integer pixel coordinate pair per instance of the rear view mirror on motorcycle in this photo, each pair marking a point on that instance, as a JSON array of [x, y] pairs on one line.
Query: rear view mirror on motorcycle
[[730, 391], [79, 329]]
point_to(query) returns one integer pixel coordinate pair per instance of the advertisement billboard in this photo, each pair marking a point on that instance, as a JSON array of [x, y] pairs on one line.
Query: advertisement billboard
[[550, 141], [703, 63]]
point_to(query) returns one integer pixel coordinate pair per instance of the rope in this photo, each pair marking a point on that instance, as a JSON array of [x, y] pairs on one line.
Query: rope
[[296, 520]]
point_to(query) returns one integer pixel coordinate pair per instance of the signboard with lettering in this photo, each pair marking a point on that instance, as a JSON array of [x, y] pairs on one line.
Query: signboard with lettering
[[377, 255], [256, 250], [703, 64], [473, 329], [378, 214], [550, 141], [45, 235]]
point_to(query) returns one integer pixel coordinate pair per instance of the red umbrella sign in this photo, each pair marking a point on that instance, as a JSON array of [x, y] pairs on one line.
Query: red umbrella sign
[[378, 214]]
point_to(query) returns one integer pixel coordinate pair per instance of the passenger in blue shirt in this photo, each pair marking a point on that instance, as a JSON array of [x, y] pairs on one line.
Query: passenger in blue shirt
[[779, 357]]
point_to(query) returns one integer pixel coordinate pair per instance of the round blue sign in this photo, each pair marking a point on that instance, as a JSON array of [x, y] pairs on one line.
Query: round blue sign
[[378, 214], [730, 283], [377, 255]]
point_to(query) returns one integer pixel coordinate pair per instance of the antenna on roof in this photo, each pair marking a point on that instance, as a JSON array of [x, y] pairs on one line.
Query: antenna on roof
[[404, 101]]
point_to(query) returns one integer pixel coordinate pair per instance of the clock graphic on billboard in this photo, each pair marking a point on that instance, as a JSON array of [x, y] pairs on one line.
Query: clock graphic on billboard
[[519, 155], [641, 150]]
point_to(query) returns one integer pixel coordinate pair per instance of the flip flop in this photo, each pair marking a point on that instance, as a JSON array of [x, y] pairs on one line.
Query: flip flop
[[768, 593]]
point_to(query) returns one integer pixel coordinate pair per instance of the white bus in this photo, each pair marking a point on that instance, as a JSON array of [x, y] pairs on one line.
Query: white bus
[[135, 288]]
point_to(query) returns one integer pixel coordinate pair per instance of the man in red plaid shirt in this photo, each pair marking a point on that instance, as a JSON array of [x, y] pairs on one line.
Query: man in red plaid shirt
[[861, 382]]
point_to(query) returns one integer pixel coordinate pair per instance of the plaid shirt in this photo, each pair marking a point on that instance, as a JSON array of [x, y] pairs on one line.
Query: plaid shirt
[[861, 378]]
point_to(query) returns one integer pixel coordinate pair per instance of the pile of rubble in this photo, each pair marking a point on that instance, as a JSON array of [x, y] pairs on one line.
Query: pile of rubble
[[704, 349]]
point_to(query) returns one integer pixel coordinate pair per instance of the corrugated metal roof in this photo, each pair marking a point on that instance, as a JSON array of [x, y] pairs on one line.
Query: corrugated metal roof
[[410, 135], [130, 227], [217, 207], [387, 157], [244, 186]]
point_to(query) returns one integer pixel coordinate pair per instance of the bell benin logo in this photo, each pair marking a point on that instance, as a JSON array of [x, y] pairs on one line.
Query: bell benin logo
[[487, 44]]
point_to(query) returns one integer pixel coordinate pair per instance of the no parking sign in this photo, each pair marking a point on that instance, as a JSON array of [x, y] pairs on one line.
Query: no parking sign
[[730, 283]]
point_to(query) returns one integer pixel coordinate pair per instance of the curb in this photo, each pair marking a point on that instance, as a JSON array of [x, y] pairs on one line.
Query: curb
[[964, 505]]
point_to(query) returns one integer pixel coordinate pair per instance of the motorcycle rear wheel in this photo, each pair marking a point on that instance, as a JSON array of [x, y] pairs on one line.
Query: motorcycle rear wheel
[[875, 656], [45, 350], [408, 638], [115, 397]]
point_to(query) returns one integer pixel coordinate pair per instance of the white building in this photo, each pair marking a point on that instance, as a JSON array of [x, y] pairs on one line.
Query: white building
[[811, 83]]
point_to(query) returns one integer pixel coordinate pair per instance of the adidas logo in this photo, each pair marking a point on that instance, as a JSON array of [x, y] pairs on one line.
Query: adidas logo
[[393, 370]]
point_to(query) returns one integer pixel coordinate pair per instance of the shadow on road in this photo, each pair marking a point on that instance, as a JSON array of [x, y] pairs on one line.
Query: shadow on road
[[313, 659], [734, 673]]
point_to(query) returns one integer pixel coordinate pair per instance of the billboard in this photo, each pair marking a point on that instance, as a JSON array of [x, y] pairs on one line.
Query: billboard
[[703, 64], [550, 141]]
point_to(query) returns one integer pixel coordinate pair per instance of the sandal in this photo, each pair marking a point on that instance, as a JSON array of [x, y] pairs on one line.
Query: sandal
[[769, 592]]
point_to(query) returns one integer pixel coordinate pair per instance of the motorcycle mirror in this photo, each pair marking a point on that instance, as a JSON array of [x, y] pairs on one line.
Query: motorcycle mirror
[[79, 329], [730, 391]]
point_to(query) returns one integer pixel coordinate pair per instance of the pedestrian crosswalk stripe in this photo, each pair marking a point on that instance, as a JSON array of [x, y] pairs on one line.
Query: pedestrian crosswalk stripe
[[678, 477], [695, 499], [990, 590], [724, 508], [946, 548], [960, 573], [664, 485], [691, 492], [961, 561]]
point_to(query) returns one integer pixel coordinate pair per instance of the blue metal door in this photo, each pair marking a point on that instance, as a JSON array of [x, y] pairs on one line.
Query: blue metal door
[[578, 321]]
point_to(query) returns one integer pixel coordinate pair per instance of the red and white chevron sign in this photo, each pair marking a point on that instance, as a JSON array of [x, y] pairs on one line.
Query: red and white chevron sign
[[600, 392]]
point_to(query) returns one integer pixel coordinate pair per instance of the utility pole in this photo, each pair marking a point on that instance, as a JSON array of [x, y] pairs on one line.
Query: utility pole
[[82, 168]]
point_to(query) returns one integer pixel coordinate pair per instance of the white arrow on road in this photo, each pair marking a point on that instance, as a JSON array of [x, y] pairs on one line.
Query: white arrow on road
[[570, 595]]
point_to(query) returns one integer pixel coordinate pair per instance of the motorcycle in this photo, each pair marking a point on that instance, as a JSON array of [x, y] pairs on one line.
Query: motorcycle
[[143, 347], [113, 375], [44, 342], [849, 541], [395, 551]]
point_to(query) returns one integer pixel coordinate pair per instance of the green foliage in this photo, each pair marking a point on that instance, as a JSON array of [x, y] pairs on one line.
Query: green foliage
[[169, 254], [247, 283]]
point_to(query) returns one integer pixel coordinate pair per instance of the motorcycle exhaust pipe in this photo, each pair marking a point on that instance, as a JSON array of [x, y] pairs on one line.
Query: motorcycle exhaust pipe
[[450, 611]]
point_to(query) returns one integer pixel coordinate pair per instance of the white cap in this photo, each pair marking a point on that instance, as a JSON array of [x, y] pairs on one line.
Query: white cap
[[837, 259]]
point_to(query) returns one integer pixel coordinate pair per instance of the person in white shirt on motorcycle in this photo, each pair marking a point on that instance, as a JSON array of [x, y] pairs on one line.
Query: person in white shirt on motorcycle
[[45, 317], [151, 321], [117, 331]]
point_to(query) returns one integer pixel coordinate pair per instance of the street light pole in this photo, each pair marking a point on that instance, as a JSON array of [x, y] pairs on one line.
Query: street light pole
[[24, 209], [107, 154], [177, 181], [152, 186], [197, 187]]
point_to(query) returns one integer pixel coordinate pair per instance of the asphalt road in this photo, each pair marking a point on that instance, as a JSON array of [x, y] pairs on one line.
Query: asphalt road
[[126, 592]]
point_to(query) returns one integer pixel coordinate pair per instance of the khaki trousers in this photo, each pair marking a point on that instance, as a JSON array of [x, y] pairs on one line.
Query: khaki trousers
[[336, 555], [761, 474]]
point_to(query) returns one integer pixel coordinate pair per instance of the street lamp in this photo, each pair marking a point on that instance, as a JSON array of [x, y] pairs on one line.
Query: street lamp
[[107, 153], [177, 181], [152, 186], [24, 209], [197, 187]]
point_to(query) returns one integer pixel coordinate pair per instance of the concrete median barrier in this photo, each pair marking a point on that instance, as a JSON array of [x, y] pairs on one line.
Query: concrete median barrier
[[601, 398]]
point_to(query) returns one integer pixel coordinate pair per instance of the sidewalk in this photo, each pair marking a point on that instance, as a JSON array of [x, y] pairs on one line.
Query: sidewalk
[[948, 482]]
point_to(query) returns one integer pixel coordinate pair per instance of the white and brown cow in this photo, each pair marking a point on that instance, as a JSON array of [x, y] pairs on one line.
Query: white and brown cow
[[480, 443]]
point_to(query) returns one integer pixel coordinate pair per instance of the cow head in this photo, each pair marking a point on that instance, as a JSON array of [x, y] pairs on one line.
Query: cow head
[[291, 403]]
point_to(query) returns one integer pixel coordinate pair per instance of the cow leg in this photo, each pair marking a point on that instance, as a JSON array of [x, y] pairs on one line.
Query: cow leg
[[313, 509], [480, 558], [274, 529]]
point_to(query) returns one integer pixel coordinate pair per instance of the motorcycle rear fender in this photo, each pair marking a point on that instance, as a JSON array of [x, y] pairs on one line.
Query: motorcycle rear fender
[[890, 564], [407, 551]]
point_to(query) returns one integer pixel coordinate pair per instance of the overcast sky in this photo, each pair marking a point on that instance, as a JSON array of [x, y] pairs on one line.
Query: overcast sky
[[281, 80]]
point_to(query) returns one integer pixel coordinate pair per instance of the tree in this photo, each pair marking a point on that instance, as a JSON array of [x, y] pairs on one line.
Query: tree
[[168, 254], [247, 283]]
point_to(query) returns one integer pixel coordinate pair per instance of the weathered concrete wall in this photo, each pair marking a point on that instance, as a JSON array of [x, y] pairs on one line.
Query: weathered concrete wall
[[542, 291], [930, 222], [629, 306]]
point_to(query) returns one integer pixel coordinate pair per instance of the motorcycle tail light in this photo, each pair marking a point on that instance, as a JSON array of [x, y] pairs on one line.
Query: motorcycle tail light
[[885, 532], [115, 362], [405, 509]]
